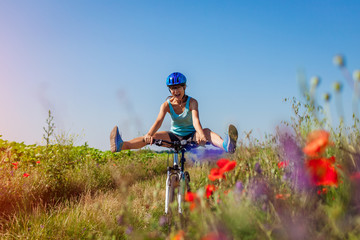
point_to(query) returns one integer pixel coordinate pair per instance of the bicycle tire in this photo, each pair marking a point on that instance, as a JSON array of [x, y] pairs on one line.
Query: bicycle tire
[[184, 189], [174, 181]]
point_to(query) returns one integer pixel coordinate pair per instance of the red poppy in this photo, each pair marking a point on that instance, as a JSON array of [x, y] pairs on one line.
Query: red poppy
[[222, 162], [26, 175], [331, 159], [193, 199], [283, 164], [339, 167], [37, 162], [323, 172], [190, 196], [215, 174], [322, 191], [179, 236], [15, 165], [228, 166], [317, 141], [210, 236], [226, 192], [210, 189], [282, 196]]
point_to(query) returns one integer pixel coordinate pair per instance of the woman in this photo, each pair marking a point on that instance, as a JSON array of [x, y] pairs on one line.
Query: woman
[[185, 122]]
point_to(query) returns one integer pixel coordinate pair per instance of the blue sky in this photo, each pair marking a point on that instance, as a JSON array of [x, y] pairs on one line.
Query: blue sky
[[97, 64]]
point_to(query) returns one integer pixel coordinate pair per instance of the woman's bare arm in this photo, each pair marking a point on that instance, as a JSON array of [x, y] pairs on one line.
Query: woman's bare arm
[[157, 124]]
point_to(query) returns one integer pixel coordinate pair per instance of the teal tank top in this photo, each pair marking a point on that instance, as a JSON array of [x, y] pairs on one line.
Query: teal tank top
[[182, 124]]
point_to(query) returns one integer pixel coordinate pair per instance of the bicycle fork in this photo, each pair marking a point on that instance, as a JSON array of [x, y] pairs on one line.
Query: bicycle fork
[[175, 182], [181, 191], [167, 197], [169, 184]]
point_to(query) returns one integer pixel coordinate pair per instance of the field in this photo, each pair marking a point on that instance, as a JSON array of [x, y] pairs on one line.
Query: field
[[301, 183]]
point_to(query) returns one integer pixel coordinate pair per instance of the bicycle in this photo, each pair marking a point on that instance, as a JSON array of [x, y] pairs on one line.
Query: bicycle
[[177, 180]]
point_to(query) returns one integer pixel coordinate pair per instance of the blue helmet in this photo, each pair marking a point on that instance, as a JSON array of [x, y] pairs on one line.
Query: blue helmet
[[175, 78]]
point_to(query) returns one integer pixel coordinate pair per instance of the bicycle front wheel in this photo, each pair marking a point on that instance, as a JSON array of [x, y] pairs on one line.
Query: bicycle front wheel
[[184, 188], [171, 185]]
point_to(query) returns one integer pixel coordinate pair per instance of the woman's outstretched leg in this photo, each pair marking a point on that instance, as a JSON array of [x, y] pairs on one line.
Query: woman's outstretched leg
[[211, 137], [117, 144], [229, 144], [139, 142]]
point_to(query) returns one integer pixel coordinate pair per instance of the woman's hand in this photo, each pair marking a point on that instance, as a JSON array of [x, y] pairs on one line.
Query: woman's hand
[[148, 139], [202, 140]]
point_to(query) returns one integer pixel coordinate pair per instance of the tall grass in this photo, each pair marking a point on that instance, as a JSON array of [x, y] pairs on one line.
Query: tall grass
[[83, 193]]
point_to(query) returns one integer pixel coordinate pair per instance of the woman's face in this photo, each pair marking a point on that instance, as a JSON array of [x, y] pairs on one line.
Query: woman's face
[[177, 91]]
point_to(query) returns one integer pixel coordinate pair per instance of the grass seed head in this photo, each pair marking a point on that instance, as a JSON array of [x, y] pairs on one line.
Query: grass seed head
[[339, 60], [327, 97], [337, 87], [356, 75], [315, 81]]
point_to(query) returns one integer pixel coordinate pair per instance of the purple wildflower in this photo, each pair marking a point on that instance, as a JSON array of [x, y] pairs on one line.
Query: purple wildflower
[[259, 190], [258, 168], [355, 195], [129, 230], [292, 152], [120, 220], [162, 221], [239, 186]]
